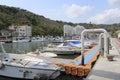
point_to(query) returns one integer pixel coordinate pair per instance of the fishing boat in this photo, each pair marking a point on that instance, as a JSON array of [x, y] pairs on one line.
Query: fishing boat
[[26, 67]]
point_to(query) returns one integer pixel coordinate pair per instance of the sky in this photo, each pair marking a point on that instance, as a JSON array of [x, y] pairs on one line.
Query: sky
[[75, 11]]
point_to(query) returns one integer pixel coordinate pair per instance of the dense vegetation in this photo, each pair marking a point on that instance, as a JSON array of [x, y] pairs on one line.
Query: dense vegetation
[[40, 24]]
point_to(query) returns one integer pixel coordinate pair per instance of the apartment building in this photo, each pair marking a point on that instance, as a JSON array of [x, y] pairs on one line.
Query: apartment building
[[21, 31]]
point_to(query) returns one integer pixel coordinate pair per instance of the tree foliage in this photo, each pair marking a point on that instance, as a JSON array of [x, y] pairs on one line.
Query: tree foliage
[[41, 25]]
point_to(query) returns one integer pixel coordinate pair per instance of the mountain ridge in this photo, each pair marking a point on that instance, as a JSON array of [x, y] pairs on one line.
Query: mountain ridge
[[40, 24]]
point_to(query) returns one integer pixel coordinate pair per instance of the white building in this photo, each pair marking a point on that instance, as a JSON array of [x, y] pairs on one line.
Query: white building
[[21, 31], [72, 32], [78, 29], [68, 30]]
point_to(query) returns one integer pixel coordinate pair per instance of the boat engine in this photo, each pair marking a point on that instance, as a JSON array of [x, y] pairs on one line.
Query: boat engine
[[1, 65], [40, 77]]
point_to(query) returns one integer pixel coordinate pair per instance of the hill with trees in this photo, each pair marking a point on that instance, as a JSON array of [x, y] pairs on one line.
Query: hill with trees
[[41, 25]]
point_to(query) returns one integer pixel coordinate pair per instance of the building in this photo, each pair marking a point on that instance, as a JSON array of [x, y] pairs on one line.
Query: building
[[68, 30], [21, 31], [71, 32], [5, 36], [78, 29], [5, 33]]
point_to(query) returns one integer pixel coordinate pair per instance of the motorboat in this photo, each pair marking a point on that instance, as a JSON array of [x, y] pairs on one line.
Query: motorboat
[[53, 39], [20, 39], [26, 67], [38, 53], [70, 43], [67, 47], [34, 39], [63, 48]]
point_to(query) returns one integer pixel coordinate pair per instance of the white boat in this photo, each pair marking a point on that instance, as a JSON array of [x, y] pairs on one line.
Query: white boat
[[26, 67], [62, 48], [38, 53], [21, 39], [53, 39], [56, 39], [67, 47], [34, 39]]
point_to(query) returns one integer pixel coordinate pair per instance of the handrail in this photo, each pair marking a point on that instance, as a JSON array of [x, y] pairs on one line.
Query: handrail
[[93, 30]]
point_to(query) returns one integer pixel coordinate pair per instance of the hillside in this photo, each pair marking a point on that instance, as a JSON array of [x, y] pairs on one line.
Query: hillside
[[40, 24]]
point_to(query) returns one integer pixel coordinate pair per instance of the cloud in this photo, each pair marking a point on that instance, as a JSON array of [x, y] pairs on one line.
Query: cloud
[[75, 11], [114, 2], [107, 17]]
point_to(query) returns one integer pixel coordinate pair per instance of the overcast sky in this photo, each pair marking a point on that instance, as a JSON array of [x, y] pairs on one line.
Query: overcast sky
[[76, 11]]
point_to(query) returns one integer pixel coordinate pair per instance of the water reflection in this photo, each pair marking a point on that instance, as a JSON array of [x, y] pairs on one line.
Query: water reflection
[[23, 47]]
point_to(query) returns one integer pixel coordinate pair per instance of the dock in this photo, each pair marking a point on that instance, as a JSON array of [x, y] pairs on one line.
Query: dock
[[74, 66], [105, 69]]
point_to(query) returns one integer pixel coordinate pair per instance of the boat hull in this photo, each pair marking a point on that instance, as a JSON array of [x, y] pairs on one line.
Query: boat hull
[[27, 73], [60, 52]]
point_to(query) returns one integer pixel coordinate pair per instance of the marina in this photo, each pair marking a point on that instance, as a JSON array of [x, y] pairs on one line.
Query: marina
[[60, 40], [63, 62], [80, 65]]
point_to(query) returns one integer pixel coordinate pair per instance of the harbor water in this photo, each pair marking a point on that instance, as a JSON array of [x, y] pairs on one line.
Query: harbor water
[[24, 47], [19, 48]]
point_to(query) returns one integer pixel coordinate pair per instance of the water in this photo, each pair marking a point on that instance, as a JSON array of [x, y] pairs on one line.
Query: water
[[20, 48], [23, 47]]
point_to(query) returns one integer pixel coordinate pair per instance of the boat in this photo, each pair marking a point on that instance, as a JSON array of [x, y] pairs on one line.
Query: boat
[[38, 53], [20, 39], [55, 40], [34, 39], [26, 67], [67, 47]]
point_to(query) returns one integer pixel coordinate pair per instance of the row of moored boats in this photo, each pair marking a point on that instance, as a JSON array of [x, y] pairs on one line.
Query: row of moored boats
[[32, 66]]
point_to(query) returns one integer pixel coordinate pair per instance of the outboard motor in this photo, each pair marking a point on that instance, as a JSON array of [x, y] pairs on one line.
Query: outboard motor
[[40, 77]]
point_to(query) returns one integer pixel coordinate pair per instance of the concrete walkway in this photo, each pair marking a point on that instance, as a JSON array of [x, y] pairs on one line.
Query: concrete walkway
[[106, 70]]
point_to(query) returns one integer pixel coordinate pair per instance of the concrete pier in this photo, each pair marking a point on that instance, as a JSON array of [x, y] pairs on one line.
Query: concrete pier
[[105, 69]]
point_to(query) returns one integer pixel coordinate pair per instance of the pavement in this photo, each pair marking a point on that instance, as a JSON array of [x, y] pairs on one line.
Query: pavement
[[105, 69]]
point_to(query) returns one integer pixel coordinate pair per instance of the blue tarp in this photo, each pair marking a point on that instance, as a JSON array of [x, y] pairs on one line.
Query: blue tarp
[[76, 42]]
